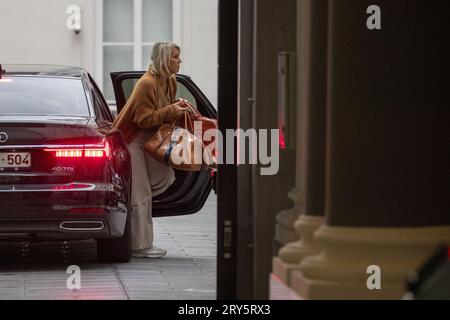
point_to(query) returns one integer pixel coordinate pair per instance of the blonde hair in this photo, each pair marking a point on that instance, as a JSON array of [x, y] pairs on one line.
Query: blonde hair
[[160, 58]]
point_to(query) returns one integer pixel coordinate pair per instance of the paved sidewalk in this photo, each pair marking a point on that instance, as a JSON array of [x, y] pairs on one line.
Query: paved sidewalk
[[188, 271]]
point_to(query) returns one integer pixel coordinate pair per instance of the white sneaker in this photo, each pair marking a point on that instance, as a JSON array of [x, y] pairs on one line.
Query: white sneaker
[[153, 252]]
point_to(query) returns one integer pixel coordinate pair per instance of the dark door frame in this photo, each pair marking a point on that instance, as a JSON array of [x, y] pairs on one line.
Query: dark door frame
[[235, 236], [227, 173]]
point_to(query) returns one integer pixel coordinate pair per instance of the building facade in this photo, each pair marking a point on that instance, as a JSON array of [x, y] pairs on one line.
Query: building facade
[[114, 35], [361, 201], [362, 185]]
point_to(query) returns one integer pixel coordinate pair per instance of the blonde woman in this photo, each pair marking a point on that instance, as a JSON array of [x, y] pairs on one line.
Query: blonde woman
[[151, 104]]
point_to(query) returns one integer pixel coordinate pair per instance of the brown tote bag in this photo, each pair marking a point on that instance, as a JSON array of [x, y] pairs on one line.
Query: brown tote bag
[[175, 146], [195, 115]]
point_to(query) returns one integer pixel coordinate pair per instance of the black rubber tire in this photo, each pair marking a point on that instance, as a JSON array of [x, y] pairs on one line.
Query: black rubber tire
[[116, 249]]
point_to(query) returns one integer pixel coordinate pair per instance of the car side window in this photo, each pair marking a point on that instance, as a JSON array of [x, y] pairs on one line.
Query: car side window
[[183, 92], [100, 109], [128, 86], [100, 104]]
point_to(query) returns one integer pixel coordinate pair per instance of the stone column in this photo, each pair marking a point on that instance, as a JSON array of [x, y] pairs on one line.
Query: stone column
[[387, 177], [285, 219], [310, 162]]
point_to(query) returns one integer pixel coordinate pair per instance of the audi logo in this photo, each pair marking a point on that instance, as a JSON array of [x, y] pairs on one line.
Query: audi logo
[[3, 137]]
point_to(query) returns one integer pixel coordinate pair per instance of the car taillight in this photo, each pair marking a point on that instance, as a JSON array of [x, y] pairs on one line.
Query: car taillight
[[88, 210], [73, 186], [95, 153], [66, 153], [103, 151]]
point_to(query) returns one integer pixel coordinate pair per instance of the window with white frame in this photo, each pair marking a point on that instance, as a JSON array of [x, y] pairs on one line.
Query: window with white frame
[[129, 28]]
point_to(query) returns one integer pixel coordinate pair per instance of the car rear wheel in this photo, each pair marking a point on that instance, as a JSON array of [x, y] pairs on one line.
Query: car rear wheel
[[118, 249]]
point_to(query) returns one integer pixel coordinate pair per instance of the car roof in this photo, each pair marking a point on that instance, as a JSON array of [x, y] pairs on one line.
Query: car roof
[[42, 70]]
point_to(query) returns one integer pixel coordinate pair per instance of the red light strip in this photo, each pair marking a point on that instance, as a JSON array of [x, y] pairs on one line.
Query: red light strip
[[72, 186], [87, 210], [79, 153]]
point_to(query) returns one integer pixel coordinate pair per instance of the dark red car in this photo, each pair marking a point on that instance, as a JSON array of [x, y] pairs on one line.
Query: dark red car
[[65, 171]]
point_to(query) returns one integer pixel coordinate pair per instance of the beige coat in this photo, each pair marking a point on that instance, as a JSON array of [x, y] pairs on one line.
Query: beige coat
[[146, 109], [143, 109]]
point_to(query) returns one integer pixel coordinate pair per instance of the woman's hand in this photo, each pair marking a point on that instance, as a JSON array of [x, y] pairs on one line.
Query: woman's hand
[[181, 107]]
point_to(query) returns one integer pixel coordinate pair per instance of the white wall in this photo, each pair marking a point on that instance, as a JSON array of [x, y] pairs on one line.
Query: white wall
[[34, 31], [199, 44]]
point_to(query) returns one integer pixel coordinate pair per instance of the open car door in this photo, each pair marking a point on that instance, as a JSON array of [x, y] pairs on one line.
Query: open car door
[[190, 190]]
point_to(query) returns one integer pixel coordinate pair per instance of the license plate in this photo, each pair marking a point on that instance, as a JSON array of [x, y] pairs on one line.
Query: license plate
[[13, 160]]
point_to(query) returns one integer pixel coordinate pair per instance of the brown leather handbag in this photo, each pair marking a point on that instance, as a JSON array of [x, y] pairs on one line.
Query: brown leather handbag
[[176, 146], [206, 123]]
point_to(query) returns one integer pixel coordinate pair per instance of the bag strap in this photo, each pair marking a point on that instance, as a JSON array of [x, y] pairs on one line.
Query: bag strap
[[188, 123], [194, 110]]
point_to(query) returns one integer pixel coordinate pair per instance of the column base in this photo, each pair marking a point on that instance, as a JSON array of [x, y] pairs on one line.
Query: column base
[[313, 289], [293, 253], [283, 270], [280, 291], [284, 235], [340, 271], [285, 219]]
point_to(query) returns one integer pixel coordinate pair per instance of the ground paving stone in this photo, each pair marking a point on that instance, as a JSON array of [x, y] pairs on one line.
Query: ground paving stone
[[37, 271]]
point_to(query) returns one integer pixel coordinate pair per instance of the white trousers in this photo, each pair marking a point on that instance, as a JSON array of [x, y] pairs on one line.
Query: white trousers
[[149, 179]]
